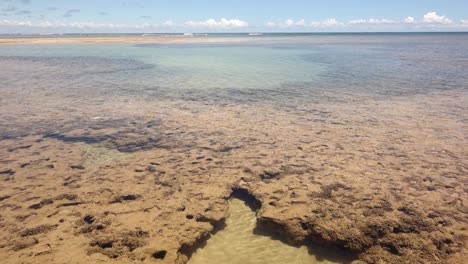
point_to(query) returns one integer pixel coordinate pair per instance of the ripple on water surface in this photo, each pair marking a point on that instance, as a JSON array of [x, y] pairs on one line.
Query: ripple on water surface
[[237, 243]]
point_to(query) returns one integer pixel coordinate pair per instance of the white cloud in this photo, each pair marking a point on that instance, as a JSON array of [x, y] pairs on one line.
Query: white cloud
[[432, 17], [76, 25], [223, 23], [169, 23], [430, 21], [146, 27], [332, 22], [371, 21], [409, 20], [15, 23], [289, 23], [301, 23]]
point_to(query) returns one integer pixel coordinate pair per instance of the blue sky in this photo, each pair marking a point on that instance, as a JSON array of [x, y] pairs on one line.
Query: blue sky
[[57, 16]]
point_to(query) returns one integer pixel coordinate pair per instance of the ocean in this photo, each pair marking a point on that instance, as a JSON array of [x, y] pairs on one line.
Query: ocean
[[355, 141]]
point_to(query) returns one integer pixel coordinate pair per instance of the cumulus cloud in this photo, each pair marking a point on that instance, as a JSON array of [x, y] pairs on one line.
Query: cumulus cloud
[[289, 23], [409, 20], [71, 26], [432, 17], [371, 21], [77, 25], [6, 22], [169, 23], [302, 24], [331, 22], [223, 23], [430, 22]]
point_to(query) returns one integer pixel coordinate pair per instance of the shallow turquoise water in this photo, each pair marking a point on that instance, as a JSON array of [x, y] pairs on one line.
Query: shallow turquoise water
[[287, 72], [372, 65], [193, 67], [49, 90]]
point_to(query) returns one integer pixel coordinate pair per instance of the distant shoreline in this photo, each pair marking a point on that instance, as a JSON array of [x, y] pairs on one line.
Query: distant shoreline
[[51, 40], [184, 38]]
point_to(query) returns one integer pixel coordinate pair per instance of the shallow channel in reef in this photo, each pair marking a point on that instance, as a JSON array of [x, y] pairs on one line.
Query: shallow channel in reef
[[240, 243]]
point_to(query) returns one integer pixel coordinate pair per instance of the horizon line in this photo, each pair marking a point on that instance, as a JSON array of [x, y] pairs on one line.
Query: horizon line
[[243, 32]]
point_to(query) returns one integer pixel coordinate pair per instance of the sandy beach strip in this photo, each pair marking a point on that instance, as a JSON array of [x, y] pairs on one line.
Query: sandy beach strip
[[119, 39]]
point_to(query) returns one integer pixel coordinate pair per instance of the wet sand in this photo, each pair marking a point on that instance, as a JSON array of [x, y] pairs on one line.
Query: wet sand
[[112, 39], [130, 179], [38, 40]]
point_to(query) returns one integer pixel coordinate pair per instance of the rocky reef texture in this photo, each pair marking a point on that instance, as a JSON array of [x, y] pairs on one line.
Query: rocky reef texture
[[94, 179], [369, 178]]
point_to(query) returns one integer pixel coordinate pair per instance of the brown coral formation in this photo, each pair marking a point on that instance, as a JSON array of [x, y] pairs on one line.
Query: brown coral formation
[[377, 188]]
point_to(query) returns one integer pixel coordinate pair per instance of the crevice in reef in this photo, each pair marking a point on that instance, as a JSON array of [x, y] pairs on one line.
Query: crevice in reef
[[186, 251], [321, 250], [244, 195]]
